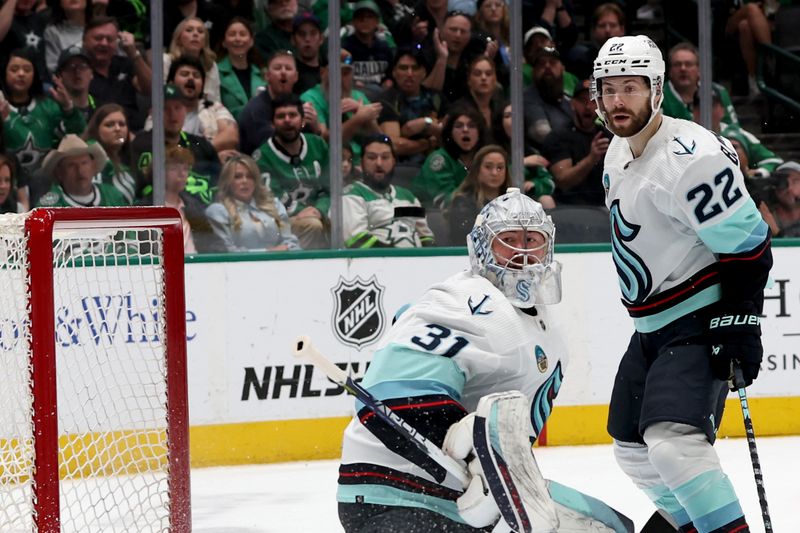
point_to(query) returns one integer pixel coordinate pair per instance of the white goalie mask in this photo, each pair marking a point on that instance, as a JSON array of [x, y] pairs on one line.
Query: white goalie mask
[[632, 55], [520, 264]]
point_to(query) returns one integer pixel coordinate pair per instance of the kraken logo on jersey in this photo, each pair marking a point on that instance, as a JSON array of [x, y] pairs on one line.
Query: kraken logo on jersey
[[635, 279], [686, 149], [543, 399], [478, 309], [358, 318]]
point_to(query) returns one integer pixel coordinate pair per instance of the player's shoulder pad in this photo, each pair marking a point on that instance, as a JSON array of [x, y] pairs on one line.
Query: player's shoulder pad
[[687, 149], [686, 142]]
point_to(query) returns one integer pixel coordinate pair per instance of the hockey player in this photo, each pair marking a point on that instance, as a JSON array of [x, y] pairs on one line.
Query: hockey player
[[457, 350], [693, 255]]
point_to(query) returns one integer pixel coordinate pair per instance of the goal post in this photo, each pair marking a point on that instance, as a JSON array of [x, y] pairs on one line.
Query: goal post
[[94, 422]]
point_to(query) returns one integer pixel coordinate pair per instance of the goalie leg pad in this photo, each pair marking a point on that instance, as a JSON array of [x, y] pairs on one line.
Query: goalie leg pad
[[581, 513], [503, 440]]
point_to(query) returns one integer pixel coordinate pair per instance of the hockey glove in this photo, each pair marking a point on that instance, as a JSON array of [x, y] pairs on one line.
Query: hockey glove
[[476, 506], [735, 338]]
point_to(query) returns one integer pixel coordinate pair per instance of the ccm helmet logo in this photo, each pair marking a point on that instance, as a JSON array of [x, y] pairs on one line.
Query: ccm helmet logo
[[615, 61]]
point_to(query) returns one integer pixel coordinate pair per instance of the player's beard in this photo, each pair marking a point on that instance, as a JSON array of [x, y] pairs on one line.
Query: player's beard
[[638, 120]]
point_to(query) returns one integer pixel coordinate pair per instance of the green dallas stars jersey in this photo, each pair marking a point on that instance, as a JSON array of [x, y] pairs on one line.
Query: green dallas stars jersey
[[120, 178], [393, 219], [102, 196], [760, 158], [33, 131], [299, 181]]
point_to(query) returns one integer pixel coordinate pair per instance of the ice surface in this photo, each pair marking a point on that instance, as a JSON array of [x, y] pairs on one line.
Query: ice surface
[[300, 497]]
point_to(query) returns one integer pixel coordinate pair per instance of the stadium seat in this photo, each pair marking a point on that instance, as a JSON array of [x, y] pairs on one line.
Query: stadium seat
[[581, 224], [438, 224]]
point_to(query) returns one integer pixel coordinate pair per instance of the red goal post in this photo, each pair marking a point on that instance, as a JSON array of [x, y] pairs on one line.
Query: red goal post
[[94, 417]]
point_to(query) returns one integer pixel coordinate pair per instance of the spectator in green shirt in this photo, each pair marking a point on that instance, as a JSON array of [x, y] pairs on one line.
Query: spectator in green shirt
[[359, 115], [683, 82], [761, 161], [445, 168]]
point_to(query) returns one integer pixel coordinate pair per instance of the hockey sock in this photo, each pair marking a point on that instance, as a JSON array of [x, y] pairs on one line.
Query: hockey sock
[[664, 499], [689, 466], [633, 459]]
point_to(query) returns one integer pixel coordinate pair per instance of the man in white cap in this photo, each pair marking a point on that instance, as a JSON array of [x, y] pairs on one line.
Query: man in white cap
[[72, 167]]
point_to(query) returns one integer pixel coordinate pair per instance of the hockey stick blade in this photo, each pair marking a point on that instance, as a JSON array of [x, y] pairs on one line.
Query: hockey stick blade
[[304, 349]]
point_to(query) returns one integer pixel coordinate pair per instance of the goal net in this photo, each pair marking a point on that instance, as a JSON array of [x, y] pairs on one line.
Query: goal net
[[93, 415]]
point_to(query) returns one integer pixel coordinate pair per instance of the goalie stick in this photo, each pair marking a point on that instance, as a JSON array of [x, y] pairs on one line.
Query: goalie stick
[[304, 349]]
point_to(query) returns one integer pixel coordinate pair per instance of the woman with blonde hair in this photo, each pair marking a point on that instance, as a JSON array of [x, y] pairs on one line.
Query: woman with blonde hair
[[191, 38], [488, 177], [246, 215]]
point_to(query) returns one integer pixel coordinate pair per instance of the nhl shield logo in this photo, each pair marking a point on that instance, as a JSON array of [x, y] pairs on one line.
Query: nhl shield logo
[[358, 318]]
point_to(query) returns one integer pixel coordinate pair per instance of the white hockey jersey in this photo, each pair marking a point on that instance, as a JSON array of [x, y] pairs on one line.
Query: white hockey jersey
[[460, 341], [674, 209]]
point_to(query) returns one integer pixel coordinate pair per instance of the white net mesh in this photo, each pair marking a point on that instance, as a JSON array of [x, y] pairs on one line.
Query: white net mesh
[[16, 402], [111, 383]]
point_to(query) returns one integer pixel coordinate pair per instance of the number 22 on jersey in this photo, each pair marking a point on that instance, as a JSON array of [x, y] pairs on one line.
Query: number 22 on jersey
[[704, 193]]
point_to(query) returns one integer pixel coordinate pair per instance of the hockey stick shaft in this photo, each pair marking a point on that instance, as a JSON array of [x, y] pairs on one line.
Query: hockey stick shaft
[[738, 382], [305, 349]]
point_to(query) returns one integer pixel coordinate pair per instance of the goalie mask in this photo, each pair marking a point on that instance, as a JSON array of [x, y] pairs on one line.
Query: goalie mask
[[511, 245], [633, 55]]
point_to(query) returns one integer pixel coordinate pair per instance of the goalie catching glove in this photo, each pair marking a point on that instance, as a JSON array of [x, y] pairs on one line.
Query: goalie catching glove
[[736, 337]]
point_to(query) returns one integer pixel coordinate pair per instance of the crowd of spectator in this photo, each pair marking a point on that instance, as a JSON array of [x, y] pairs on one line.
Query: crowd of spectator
[[424, 102]]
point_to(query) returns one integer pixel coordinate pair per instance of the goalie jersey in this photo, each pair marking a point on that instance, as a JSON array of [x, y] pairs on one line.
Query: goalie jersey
[[685, 233], [460, 341]]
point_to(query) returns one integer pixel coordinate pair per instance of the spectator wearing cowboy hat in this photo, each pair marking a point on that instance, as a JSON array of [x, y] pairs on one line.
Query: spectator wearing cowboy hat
[[73, 166]]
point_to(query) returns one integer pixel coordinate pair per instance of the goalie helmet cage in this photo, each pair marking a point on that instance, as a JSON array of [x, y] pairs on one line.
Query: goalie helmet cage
[[93, 411]]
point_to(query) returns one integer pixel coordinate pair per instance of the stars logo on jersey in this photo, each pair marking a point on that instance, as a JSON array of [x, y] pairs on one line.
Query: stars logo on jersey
[[397, 234], [28, 155], [478, 309], [686, 150], [358, 318], [437, 162], [32, 40]]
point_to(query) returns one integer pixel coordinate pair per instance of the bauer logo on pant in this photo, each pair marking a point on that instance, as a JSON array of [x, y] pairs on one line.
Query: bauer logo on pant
[[358, 318]]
